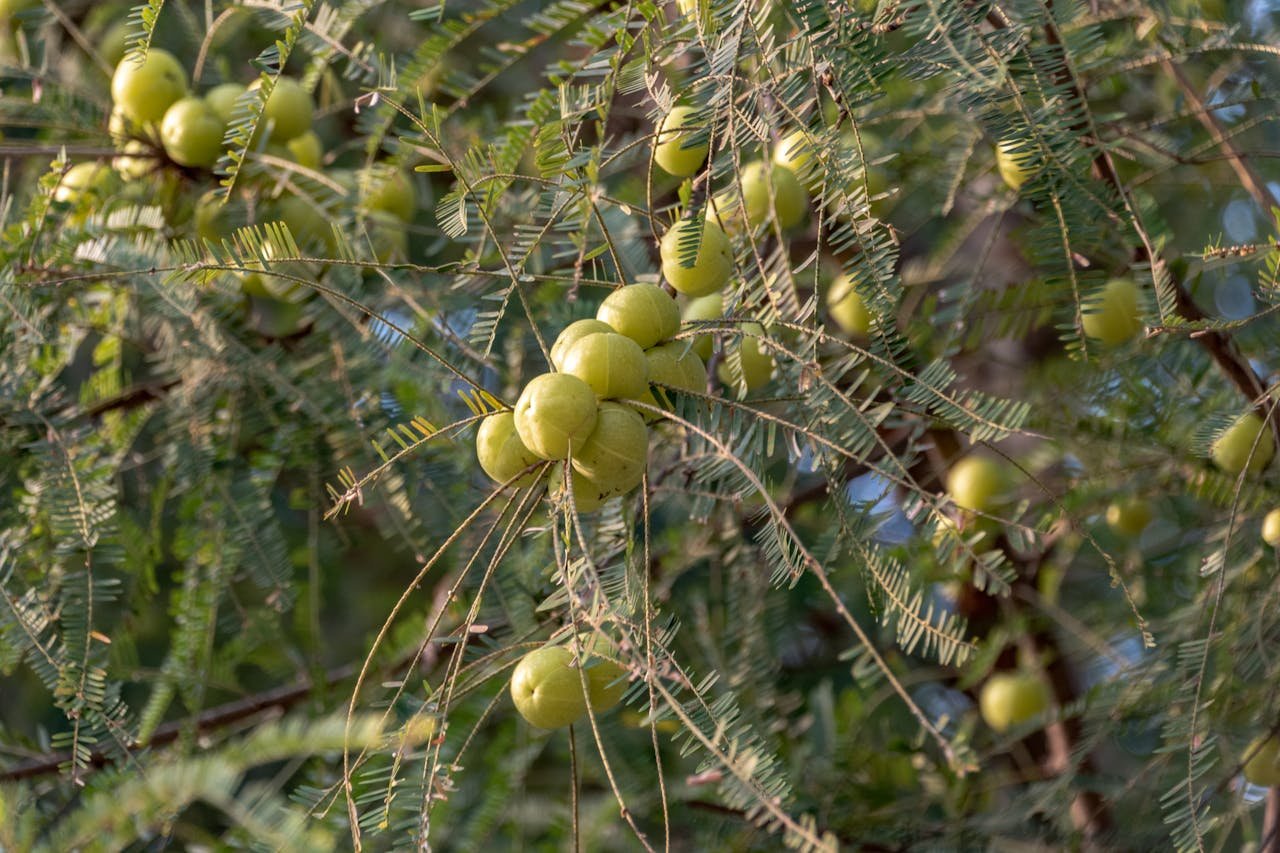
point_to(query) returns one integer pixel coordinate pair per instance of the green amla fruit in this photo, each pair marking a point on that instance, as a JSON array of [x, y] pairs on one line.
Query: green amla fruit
[[588, 495], [1014, 162], [711, 265], [1129, 517], [847, 308], [222, 100], [144, 87], [606, 679], [674, 149], [1112, 316], [643, 312], [612, 364], [192, 133], [1246, 443], [790, 201], [710, 307], [615, 454], [547, 688], [571, 334], [1262, 762], [1271, 528], [977, 483], [757, 364], [501, 453], [1009, 699], [674, 365], [556, 411]]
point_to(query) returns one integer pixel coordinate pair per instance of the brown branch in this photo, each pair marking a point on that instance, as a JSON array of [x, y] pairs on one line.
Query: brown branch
[[1249, 179], [214, 718]]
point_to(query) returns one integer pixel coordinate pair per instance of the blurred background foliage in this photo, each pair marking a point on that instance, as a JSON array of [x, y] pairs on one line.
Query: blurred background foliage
[[255, 592]]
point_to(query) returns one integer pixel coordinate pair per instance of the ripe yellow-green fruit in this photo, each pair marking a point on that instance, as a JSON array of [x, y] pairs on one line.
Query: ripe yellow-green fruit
[[222, 100], [1008, 699], [588, 495], [192, 133], [712, 261], [1271, 528], [144, 90], [606, 679], [847, 308], [267, 286], [555, 412], [790, 201], [84, 180], [1112, 315], [614, 455], [722, 209], [288, 109], [136, 160], [308, 226], [391, 191], [121, 128], [1234, 448], [795, 152], [674, 365], [1129, 517], [306, 150], [977, 483], [1262, 762], [387, 237], [757, 363], [710, 307], [547, 688], [673, 148], [571, 334], [612, 364], [643, 312], [1013, 161], [274, 318], [501, 453], [212, 218]]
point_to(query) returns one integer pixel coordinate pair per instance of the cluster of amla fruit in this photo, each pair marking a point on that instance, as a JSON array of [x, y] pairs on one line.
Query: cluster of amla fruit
[[152, 102], [771, 187], [591, 412], [697, 256]]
